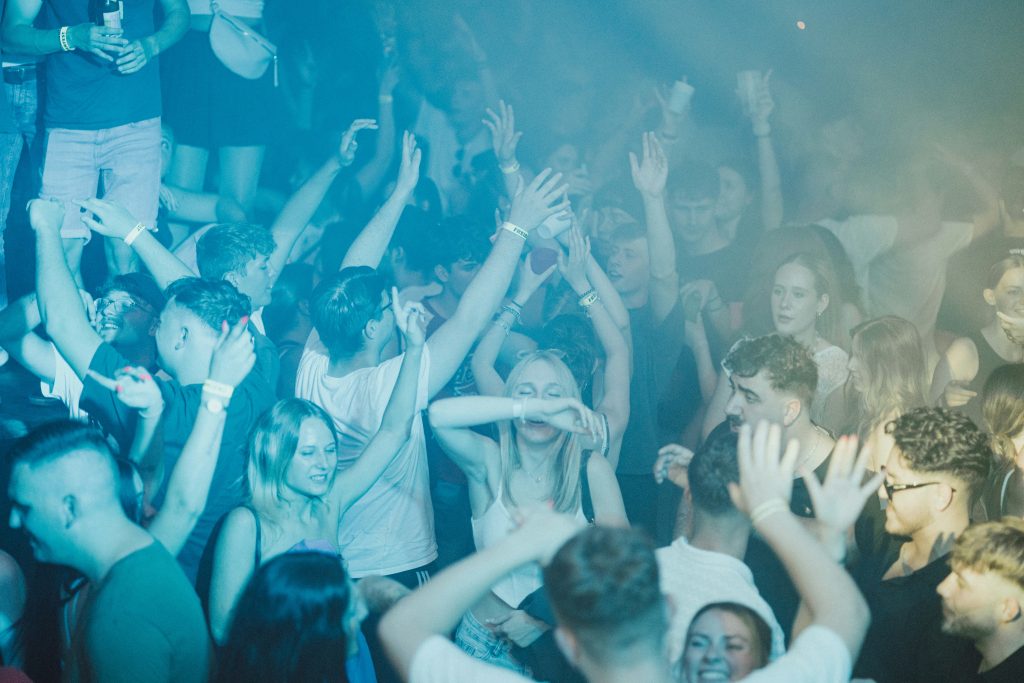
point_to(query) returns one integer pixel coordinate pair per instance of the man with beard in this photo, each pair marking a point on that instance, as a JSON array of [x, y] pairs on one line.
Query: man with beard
[[124, 315], [983, 597], [938, 460]]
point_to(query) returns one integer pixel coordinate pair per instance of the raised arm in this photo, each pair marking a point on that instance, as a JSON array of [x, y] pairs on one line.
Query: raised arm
[[763, 492], [113, 221], [59, 303], [299, 210], [22, 38], [614, 404], [397, 420], [759, 111], [369, 247], [649, 177], [370, 176], [436, 607], [504, 139], [543, 197], [139, 53], [485, 355]]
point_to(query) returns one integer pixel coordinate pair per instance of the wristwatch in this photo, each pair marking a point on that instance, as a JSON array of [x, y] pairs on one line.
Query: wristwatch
[[214, 405]]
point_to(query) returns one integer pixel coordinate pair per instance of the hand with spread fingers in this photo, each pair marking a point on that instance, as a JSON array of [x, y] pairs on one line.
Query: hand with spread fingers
[[839, 500], [504, 137], [349, 145], [650, 172], [544, 196], [766, 473]]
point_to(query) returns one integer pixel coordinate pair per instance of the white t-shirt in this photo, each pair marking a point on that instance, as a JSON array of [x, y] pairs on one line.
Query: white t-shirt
[[390, 529], [66, 386], [692, 578], [818, 655], [439, 661]]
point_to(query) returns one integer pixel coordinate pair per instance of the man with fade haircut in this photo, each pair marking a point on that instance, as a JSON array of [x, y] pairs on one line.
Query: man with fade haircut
[[936, 466], [196, 313], [983, 597], [708, 566], [142, 620]]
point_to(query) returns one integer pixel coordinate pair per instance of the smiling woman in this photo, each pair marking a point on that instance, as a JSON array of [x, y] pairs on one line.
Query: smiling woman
[[726, 642]]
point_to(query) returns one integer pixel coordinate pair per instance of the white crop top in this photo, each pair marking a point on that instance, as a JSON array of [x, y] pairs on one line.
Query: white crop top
[[495, 524], [247, 9]]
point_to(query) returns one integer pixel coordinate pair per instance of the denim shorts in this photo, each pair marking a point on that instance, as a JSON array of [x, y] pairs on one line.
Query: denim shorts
[[125, 158], [480, 642]]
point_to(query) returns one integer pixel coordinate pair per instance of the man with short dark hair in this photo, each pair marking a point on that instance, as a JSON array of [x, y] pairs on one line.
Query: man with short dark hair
[[983, 597], [142, 621], [938, 461], [196, 313], [708, 566]]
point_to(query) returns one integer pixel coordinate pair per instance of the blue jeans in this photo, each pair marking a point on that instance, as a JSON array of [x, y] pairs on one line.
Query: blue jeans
[[127, 160], [480, 642]]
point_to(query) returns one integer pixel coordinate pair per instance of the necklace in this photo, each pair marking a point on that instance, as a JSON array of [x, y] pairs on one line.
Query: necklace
[[537, 478]]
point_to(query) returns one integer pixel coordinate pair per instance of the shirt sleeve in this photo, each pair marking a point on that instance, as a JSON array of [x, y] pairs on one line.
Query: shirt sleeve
[[66, 386], [817, 656], [116, 419], [439, 661]]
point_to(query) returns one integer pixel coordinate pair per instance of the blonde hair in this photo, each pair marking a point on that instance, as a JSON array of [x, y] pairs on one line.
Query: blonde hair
[[566, 493], [1002, 408], [271, 449], [996, 547], [895, 379]]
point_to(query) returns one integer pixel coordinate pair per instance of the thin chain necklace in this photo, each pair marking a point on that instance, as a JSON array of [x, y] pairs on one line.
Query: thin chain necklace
[[537, 478]]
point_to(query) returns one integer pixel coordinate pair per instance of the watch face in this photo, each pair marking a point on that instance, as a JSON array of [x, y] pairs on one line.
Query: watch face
[[214, 405]]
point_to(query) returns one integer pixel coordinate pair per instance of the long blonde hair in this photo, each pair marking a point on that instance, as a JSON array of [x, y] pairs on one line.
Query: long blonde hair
[[566, 494], [895, 379], [271, 449]]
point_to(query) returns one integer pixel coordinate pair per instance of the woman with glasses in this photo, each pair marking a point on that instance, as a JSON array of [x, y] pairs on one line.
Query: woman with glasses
[[545, 454], [297, 495]]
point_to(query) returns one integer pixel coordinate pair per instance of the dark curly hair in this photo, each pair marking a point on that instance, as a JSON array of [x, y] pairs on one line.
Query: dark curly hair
[[713, 468], [212, 301], [228, 247], [603, 585], [941, 440], [789, 364]]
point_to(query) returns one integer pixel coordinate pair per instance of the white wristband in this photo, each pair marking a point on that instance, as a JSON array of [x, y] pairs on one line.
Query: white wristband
[[134, 233]]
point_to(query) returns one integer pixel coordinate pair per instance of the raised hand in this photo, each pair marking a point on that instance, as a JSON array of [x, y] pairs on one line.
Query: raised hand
[[839, 500], [544, 196], [113, 220], [544, 530], [46, 215], [566, 414], [760, 107], [102, 41], [529, 280], [349, 144], [504, 137], [651, 172], [234, 355], [765, 472], [409, 319], [135, 388], [409, 170], [573, 265], [672, 464]]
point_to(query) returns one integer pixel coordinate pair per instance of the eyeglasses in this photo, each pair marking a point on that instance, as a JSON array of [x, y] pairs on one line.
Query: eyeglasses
[[896, 488], [117, 306], [386, 306]]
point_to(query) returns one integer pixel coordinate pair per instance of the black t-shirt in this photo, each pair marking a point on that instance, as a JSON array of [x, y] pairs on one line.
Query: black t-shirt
[[84, 92], [905, 642], [726, 267], [657, 349], [1010, 670], [181, 404]]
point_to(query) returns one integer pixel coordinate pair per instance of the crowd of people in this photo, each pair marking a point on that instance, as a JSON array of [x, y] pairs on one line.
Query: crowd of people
[[411, 388]]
